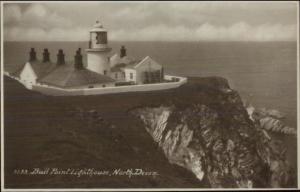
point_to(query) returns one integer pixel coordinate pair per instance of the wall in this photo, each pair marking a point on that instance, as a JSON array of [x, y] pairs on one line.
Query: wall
[[27, 76], [47, 90], [110, 90], [98, 61], [147, 65], [135, 88], [127, 74], [112, 84], [120, 76]]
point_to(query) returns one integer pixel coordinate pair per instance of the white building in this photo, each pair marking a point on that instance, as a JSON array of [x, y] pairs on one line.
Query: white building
[[126, 69], [101, 69], [28, 75], [122, 68], [98, 51]]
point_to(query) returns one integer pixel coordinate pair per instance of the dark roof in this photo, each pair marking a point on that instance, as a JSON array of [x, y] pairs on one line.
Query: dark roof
[[117, 67], [40, 68], [64, 75], [133, 63], [18, 71], [67, 76]]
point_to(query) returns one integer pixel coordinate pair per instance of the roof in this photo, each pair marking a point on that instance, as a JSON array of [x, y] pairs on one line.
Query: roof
[[146, 59], [133, 64], [40, 68], [116, 59], [67, 76], [98, 27], [118, 67], [118, 63]]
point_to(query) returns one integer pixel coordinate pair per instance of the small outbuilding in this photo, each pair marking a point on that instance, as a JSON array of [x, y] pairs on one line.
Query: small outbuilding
[[126, 69]]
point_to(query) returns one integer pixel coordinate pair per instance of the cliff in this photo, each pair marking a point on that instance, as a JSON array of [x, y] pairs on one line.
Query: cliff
[[209, 132], [199, 135]]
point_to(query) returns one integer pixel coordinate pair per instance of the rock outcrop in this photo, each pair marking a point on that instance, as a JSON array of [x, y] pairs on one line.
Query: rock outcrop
[[270, 120], [210, 133]]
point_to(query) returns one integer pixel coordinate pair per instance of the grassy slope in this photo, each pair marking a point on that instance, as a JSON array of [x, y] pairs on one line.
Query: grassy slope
[[41, 131]]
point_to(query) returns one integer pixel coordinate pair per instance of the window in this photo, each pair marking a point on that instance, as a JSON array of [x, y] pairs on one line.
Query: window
[[101, 38], [103, 85], [91, 86], [98, 38], [104, 72], [116, 75], [131, 75]]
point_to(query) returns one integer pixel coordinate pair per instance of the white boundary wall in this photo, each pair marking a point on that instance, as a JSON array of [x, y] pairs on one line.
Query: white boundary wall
[[55, 91]]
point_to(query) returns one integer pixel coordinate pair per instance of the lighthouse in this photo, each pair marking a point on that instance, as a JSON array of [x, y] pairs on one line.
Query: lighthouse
[[98, 51]]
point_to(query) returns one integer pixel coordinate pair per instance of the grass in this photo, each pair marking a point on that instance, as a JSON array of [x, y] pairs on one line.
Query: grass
[[51, 132]]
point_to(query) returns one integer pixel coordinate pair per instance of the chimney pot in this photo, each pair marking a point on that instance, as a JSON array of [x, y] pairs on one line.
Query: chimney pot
[[60, 57], [78, 60], [46, 56], [122, 51], [32, 55]]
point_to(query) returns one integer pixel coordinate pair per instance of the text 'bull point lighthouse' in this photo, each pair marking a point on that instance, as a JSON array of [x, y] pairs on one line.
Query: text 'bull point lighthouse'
[[98, 51]]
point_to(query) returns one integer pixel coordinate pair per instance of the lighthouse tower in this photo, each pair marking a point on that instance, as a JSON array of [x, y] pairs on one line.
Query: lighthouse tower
[[97, 53]]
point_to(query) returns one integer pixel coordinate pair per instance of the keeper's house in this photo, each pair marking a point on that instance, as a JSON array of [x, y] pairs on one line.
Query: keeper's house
[[127, 70], [101, 70]]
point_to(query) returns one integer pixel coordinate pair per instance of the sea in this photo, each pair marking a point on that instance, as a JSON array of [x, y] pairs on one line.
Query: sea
[[264, 73]]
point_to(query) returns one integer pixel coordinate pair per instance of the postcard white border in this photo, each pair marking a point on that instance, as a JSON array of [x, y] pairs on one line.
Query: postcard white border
[[142, 189]]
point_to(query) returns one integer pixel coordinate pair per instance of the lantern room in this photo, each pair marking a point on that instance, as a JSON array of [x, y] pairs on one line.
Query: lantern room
[[98, 36]]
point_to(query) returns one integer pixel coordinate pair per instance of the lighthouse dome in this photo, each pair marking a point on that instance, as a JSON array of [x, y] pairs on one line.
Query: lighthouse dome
[[98, 27]]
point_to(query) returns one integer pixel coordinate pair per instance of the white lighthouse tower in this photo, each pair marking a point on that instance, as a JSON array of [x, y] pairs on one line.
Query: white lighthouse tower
[[97, 53]]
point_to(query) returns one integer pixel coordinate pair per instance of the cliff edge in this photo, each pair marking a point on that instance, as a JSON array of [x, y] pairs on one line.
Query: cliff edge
[[196, 136], [207, 130]]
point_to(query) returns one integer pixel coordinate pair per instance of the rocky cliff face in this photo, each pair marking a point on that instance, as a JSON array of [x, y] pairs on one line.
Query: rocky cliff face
[[209, 132]]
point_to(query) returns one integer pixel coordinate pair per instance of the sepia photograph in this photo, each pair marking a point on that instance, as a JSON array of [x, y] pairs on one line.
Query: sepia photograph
[[149, 95]]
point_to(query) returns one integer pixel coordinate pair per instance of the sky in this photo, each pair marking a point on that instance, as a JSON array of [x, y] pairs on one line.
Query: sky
[[152, 21]]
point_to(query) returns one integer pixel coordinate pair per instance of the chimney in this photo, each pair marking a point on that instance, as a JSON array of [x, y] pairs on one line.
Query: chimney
[[32, 55], [60, 57], [46, 56], [78, 60], [162, 74], [122, 51]]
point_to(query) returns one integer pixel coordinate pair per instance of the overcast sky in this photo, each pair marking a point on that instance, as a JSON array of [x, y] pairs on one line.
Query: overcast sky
[[148, 21]]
